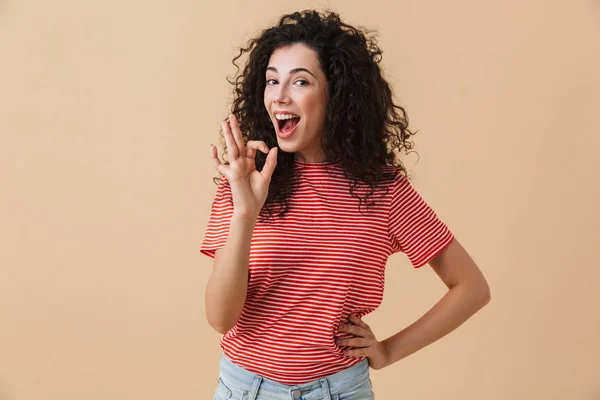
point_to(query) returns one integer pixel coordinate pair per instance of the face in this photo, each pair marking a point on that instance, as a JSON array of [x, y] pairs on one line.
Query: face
[[296, 99]]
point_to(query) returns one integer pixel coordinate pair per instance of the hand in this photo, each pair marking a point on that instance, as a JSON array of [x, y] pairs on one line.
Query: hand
[[249, 187], [365, 344]]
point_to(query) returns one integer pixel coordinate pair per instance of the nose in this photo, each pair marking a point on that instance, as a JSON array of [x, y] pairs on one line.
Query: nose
[[280, 95]]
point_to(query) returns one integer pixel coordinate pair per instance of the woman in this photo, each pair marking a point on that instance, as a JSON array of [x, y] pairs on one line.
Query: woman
[[310, 205]]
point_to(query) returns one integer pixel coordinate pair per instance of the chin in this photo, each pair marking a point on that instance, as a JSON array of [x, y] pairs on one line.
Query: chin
[[287, 147]]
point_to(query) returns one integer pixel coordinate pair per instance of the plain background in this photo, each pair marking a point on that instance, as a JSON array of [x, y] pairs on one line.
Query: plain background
[[107, 110]]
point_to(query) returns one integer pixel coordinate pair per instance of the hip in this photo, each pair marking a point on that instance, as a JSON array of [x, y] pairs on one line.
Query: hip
[[237, 383]]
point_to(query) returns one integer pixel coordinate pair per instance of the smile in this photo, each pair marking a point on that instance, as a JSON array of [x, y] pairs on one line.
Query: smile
[[286, 124]]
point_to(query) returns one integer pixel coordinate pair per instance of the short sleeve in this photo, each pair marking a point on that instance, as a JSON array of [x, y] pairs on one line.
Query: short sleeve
[[414, 227], [219, 220]]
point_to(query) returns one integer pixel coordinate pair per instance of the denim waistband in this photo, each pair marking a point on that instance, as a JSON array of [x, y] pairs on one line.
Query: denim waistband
[[318, 388]]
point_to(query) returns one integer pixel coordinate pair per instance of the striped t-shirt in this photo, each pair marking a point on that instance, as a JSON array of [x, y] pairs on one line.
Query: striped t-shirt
[[319, 263]]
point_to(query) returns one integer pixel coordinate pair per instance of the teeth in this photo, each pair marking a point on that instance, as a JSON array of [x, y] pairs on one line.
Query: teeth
[[285, 116]]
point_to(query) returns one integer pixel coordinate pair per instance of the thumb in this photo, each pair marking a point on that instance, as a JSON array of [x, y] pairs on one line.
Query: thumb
[[270, 164]]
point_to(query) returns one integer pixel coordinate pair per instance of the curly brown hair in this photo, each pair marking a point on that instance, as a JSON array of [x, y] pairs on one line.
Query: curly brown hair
[[364, 127]]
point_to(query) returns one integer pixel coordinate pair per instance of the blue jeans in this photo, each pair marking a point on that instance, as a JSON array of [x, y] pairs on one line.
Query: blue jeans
[[237, 383]]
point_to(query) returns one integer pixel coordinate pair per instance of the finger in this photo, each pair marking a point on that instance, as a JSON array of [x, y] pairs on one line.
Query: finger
[[355, 352], [270, 164], [237, 134], [215, 159], [355, 330], [355, 342], [356, 320], [254, 145], [232, 149]]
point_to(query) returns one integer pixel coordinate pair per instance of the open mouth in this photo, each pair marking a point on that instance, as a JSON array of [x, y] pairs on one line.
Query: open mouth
[[288, 124]]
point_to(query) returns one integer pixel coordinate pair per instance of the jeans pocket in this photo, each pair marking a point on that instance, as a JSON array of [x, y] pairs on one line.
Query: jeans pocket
[[222, 392], [359, 391]]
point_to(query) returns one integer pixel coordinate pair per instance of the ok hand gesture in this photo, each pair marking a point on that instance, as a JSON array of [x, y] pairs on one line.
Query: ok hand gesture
[[249, 186]]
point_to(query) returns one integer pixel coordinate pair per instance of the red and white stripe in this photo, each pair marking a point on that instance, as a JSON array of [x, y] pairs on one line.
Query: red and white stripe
[[318, 264]]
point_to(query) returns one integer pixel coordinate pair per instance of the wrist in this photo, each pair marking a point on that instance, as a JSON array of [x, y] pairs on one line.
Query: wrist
[[244, 216], [387, 356]]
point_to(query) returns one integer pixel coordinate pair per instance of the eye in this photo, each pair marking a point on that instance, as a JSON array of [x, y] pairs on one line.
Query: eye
[[270, 80], [302, 80]]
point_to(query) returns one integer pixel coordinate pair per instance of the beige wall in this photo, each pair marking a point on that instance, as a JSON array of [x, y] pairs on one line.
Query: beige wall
[[107, 110]]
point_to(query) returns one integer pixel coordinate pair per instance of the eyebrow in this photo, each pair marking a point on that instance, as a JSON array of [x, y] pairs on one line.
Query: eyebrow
[[292, 71]]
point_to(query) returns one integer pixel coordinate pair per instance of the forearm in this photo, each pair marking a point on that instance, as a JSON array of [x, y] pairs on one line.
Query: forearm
[[457, 305], [228, 284]]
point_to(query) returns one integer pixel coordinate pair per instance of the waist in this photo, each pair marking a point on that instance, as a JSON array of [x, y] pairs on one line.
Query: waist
[[281, 379]]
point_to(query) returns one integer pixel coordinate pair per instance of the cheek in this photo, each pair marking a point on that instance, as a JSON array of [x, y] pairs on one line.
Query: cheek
[[314, 107], [266, 99]]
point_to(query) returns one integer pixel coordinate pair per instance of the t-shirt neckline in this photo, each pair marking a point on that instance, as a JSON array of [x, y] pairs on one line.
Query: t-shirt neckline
[[316, 164]]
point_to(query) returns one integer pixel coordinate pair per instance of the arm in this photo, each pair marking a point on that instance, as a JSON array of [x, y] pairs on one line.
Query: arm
[[228, 284], [468, 293]]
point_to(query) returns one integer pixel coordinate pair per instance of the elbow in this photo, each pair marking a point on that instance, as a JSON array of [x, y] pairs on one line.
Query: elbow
[[219, 326], [485, 294], [487, 297], [218, 323], [477, 294]]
